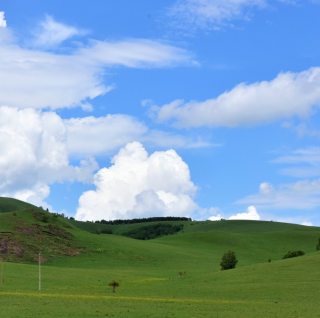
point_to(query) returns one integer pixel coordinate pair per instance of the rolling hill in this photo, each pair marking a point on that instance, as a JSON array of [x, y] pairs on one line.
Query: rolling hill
[[79, 263]]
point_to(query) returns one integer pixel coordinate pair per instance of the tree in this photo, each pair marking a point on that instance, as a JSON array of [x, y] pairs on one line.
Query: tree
[[318, 245], [228, 261], [114, 284]]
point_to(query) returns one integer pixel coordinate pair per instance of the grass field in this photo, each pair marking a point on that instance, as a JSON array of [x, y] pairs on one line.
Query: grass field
[[77, 286]]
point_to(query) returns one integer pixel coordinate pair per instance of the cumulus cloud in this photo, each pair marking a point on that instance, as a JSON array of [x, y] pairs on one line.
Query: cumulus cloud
[[52, 33], [31, 78], [3, 23], [289, 94], [210, 14], [139, 185], [36, 147], [304, 194], [251, 214], [34, 154], [306, 223]]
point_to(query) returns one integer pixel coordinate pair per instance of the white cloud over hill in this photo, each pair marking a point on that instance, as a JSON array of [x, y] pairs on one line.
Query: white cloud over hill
[[251, 214], [304, 194], [138, 185], [289, 94], [36, 148], [34, 154]]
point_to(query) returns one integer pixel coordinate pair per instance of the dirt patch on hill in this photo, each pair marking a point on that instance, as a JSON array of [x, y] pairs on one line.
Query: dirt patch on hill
[[11, 246], [25, 242]]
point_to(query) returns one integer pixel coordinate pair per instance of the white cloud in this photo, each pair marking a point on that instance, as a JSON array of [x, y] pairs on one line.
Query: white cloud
[[34, 154], [307, 163], [32, 78], [289, 94], [191, 15], [302, 129], [3, 23], [138, 185], [210, 14], [251, 214], [304, 194], [98, 136], [307, 223], [214, 212], [52, 33], [36, 147]]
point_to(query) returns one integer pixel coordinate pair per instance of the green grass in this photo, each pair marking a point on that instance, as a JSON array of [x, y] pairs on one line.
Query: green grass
[[148, 272], [10, 205]]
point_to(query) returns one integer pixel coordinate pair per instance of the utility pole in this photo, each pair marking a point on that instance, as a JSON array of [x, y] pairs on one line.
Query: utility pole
[[1, 274], [40, 270]]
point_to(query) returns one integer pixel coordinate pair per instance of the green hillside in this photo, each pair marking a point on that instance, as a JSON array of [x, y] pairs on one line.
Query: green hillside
[[78, 264], [10, 205]]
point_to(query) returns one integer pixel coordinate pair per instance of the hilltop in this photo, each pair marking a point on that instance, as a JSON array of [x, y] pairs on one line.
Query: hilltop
[[11, 205]]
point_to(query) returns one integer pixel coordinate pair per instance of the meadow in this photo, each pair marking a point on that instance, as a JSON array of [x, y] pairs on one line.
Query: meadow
[[147, 271]]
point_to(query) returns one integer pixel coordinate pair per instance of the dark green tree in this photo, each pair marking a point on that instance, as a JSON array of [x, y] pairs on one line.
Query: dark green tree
[[228, 261], [318, 245], [114, 284]]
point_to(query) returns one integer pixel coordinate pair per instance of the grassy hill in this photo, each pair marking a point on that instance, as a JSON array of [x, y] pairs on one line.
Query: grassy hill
[[10, 205], [79, 264]]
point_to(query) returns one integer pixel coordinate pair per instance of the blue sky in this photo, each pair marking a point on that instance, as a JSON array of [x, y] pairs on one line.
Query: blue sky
[[200, 108]]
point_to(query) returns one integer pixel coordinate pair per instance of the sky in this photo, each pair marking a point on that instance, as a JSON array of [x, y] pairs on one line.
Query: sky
[[127, 109]]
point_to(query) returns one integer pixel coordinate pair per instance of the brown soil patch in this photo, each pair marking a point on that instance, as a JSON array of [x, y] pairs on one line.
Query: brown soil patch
[[10, 246]]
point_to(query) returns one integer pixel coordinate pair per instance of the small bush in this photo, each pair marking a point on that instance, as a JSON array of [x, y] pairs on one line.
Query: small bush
[[318, 245], [44, 218], [182, 274], [228, 261], [291, 254]]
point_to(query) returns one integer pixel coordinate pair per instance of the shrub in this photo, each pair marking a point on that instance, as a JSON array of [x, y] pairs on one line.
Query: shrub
[[228, 261], [44, 218], [182, 274], [318, 245], [291, 254]]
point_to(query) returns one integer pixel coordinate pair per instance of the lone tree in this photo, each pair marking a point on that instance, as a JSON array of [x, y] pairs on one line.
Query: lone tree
[[318, 245], [114, 284], [228, 261]]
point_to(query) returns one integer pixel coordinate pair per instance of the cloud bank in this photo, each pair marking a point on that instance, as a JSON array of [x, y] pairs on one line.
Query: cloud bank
[[34, 78], [34, 154], [138, 185], [304, 194], [289, 94]]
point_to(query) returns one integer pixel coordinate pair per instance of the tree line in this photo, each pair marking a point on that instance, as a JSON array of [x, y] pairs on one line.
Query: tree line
[[144, 220]]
